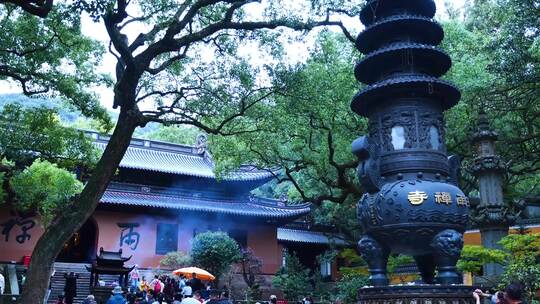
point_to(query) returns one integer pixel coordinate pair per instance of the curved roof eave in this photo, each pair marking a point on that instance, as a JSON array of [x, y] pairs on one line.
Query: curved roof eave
[[239, 208]]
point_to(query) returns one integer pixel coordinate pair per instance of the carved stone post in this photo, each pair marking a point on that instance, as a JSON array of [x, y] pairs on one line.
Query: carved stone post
[[492, 215]]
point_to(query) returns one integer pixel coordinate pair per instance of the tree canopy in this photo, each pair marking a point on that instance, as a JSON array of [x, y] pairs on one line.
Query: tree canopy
[[309, 126], [37, 153], [45, 188], [182, 66], [495, 65], [306, 131], [50, 57], [46, 58]]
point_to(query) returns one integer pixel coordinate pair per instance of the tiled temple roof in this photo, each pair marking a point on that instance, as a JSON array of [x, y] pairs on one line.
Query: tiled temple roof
[[305, 236], [164, 157], [193, 161], [254, 207]]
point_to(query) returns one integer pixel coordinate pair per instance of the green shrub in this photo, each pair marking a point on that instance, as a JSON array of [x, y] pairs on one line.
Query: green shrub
[[348, 285], [175, 260], [473, 258], [520, 257], [292, 279], [215, 252], [523, 264]]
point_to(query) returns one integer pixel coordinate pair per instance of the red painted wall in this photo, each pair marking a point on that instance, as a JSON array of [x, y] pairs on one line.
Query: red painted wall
[[12, 250], [144, 253], [263, 241], [261, 238]]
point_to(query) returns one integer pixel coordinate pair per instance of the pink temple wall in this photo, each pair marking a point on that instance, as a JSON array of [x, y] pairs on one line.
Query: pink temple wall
[[263, 241], [12, 250], [144, 254], [261, 238]]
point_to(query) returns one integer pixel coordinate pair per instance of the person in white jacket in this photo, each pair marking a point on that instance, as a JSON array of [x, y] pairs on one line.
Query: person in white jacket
[[187, 291], [2, 284]]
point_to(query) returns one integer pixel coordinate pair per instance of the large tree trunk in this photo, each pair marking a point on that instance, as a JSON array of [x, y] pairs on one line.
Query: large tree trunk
[[66, 224]]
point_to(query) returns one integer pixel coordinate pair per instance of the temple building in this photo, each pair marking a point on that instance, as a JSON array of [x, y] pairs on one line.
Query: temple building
[[161, 197]]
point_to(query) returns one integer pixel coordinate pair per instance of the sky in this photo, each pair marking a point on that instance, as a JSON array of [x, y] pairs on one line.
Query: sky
[[295, 51]]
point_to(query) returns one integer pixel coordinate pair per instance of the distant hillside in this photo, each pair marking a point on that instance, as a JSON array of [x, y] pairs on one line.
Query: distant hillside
[[72, 117], [66, 114]]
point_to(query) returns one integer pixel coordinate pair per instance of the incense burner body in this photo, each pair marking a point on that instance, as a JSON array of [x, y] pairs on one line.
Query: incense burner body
[[407, 228]]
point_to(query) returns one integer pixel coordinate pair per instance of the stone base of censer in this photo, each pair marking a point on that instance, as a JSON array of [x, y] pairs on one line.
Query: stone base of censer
[[417, 294]]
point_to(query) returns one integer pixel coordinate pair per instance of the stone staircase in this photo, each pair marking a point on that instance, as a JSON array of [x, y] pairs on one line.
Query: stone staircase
[[58, 281], [83, 282]]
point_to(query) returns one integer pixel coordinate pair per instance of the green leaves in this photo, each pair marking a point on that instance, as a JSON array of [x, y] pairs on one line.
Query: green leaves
[[523, 262], [473, 258], [522, 245], [37, 132], [396, 261], [348, 286], [520, 257], [214, 252], [293, 279], [52, 58], [41, 151], [174, 134], [496, 64], [305, 125], [527, 272], [175, 260], [45, 188]]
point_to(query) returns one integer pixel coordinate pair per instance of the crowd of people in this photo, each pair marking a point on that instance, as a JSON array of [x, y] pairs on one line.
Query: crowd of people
[[160, 290], [165, 289], [512, 294], [151, 296]]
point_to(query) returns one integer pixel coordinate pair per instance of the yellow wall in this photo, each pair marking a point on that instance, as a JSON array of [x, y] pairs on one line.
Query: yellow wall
[[473, 237]]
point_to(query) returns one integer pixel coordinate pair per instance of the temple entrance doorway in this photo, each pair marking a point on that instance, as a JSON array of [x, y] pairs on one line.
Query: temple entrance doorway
[[82, 246]]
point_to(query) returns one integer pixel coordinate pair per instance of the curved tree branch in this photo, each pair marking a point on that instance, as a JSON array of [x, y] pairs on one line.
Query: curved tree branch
[[39, 8]]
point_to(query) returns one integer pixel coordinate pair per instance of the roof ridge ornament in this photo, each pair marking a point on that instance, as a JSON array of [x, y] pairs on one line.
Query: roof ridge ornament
[[201, 145]]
